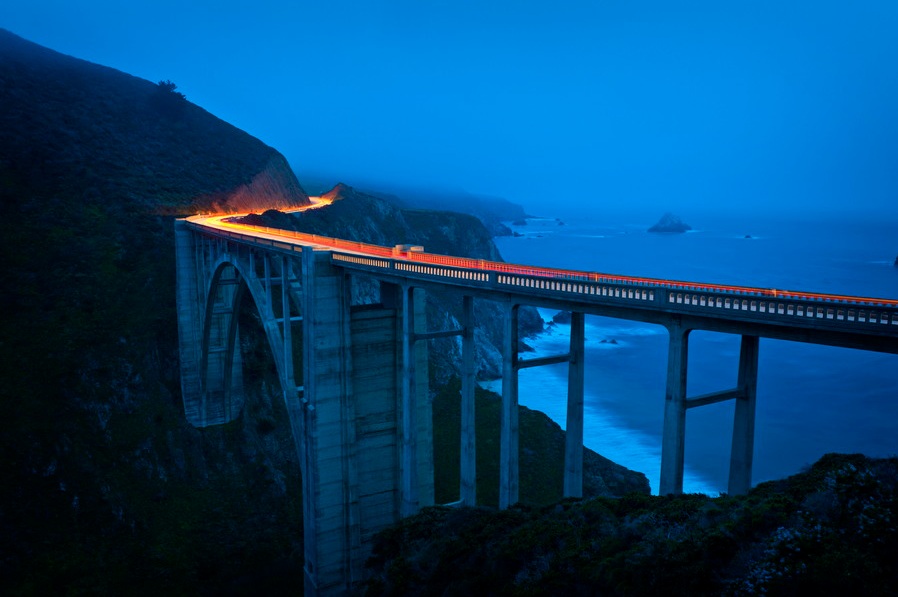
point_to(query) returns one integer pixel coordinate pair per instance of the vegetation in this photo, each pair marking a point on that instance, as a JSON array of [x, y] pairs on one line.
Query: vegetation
[[830, 530]]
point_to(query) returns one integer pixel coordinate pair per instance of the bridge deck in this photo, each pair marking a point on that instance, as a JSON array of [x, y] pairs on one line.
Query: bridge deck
[[837, 320]]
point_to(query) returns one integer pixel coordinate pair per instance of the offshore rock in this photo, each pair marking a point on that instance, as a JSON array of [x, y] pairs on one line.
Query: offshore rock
[[670, 223]]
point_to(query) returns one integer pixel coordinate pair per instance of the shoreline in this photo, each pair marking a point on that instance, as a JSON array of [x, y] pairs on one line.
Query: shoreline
[[605, 432]]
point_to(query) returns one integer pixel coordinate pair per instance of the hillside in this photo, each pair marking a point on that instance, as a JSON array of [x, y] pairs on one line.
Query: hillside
[[104, 487], [136, 144], [827, 531], [102, 482]]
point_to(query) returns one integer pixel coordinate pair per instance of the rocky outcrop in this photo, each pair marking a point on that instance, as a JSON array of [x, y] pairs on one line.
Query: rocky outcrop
[[491, 211], [337, 193], [359, 216], [562, 317], [670, 223], [275, 187]]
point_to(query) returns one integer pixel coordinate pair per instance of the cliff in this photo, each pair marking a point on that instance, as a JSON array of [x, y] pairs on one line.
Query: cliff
[[491, 211], [356, 215]]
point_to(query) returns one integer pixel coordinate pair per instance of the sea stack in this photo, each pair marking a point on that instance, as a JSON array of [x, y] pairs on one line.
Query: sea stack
[[670, 223]]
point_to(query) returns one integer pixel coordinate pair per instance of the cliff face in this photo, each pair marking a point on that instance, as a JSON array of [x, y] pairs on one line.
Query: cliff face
[[491, 211], [359, 216]]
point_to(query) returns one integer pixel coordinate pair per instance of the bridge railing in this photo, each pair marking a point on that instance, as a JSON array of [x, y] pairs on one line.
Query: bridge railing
[[465, 263]]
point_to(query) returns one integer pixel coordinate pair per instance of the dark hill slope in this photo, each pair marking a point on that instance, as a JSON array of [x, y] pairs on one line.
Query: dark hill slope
[[827, 531], [77, 129], [104, 488]]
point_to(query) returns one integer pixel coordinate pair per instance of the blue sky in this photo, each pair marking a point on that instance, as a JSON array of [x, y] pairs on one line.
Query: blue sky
[[743, 105]]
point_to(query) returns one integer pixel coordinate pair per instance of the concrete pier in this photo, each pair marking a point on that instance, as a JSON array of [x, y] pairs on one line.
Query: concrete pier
[[673, 442], [742, 453], [508, 415], [468, 483], [573, 449], [677, 403]]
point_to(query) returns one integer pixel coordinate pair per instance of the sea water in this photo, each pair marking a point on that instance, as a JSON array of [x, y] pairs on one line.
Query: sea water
[[811, 399]]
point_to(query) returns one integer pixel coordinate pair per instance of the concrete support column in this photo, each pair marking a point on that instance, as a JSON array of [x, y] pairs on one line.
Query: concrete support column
[[424, 441], [573, 450], [744, 419], [508, 416], [468, 484], [673, 444], [408, 490], [330, 501], [286, 315]]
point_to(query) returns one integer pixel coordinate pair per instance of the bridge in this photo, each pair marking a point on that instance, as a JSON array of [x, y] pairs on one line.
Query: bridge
[[354, 377]]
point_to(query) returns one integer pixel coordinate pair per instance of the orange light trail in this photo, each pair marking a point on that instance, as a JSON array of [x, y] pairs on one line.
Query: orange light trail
[[219, 222]]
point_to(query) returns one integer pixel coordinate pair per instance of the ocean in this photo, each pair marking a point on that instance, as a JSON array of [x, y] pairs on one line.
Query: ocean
[[811, 399]]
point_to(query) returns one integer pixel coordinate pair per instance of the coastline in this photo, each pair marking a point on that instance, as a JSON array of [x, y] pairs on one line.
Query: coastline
[[544, 389]]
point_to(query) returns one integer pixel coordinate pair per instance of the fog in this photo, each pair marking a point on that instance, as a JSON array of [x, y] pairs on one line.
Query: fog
[[750, 107]]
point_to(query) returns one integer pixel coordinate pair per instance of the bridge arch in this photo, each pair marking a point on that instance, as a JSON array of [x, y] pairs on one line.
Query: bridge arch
[[232, 276], [350, 434]]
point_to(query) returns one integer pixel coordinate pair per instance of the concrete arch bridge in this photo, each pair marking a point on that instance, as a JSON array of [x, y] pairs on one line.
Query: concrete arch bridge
[[357, 396]]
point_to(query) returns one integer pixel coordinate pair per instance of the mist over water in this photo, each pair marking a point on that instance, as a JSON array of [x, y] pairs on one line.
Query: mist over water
[[811, 399]]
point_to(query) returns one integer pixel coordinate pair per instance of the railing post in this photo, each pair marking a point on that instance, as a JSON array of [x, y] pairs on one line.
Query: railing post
[[674, 440], [573, 450], [508, 434], [742, 452]]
